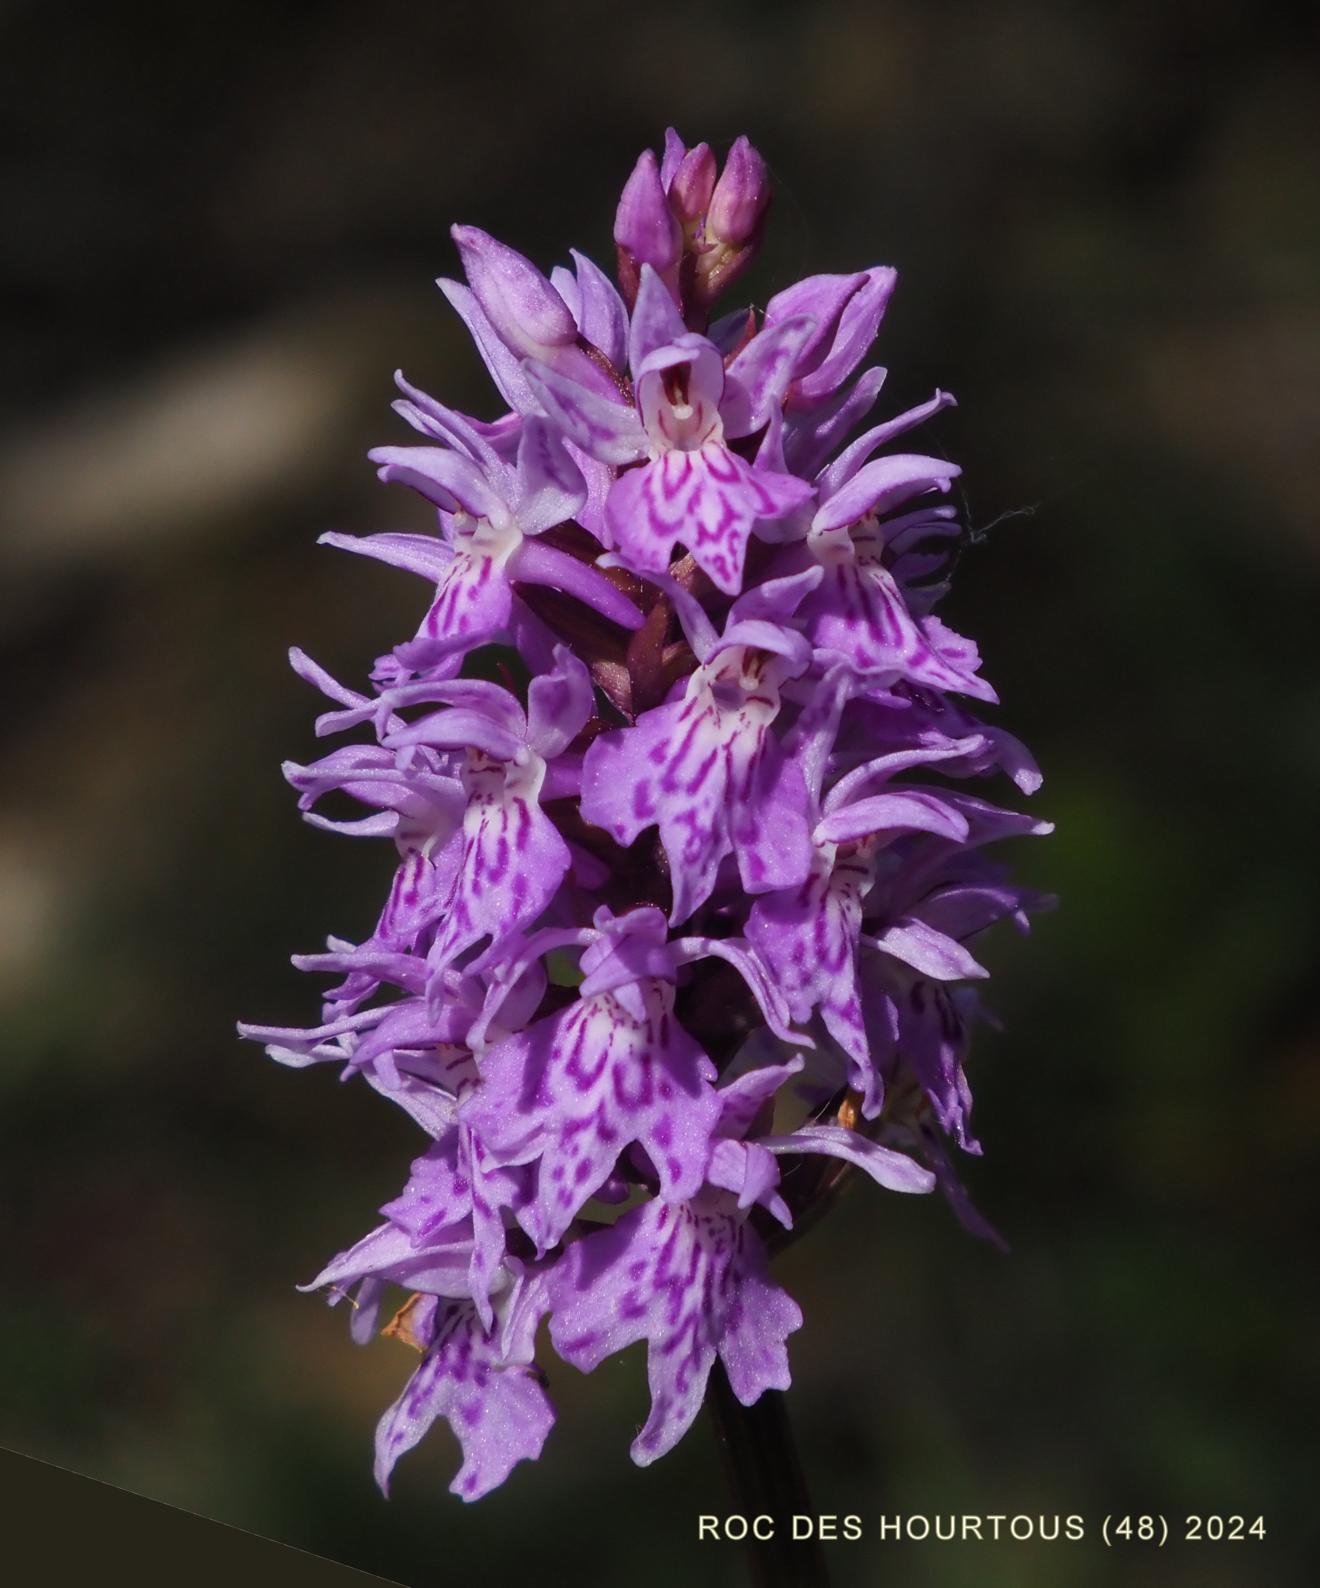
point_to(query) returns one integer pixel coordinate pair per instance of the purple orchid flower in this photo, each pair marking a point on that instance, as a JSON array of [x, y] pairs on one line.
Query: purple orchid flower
[[870, 606], [810, 936], [511, 857], [415, 1049], [614, 1068], [936, 895], [416, 799], [444, 1233], [493, 514], [931, 722], [407, 1050], [846, 312], [707, 768], [693, 1279], [821, 407], [723, 608], [513, 312], [690, 486], [479, 1378]]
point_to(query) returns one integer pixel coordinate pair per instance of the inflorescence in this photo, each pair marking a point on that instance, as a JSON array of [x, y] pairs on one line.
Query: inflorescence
[[677, 936]]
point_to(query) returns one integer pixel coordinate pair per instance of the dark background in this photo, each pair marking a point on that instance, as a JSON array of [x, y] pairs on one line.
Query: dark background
[[221, 223]]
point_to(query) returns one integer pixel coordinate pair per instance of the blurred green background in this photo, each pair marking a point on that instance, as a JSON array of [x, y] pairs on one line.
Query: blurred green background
[[221, 226]]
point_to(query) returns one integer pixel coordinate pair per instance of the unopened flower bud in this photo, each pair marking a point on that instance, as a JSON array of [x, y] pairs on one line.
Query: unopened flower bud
[[526, 312], [693, 184], [675, 149], [643, 224], [741, 198]]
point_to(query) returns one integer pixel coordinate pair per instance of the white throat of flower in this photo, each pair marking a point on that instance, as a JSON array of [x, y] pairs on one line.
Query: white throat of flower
[[485, 539], [681, 420], [740, 687], [862, 542], [852, 864], [636, 1006], [487, 780], [413, 836]]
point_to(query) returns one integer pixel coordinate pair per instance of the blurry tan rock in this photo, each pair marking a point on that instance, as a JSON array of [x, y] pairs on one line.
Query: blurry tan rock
[[214, 430]]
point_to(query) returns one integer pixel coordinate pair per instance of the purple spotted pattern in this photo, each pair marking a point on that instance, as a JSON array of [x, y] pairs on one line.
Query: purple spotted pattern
[[685, 872]]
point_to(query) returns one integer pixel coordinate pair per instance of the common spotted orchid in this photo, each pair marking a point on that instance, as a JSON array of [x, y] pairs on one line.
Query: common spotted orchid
[[680, 926]]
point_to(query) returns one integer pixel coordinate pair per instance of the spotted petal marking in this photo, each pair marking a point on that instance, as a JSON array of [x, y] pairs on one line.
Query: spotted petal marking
[[457, 1179], [707, 772], [709, 499], [668, 769], [692, 1280], [858, 611], [473, 598], [809, 937], [495, 1406], [512, 860], [928, 1025], [577, 1088]]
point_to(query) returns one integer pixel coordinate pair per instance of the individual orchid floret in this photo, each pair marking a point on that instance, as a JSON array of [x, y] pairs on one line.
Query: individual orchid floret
[[511, 857], [458, 1180], [493, 514], [613, 1069], [693, 1279], [745, 1157], [479, 1377], [708, 769], [859, 611], [439, 1264], [575, 1090], [458, 792], [526, 312], [810, 936], [418, 802], [690, 487], [415, 799], [846, 311], [415, 1048], [932, 900], [409, 1050], [513, 312], [823, 402], [879, 726]]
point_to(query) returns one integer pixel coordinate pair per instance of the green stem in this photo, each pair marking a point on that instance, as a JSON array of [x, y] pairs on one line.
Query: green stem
[[766, 1479]]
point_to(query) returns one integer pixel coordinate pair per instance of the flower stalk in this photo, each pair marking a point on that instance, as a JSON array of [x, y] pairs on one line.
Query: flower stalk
[[765, 1479]]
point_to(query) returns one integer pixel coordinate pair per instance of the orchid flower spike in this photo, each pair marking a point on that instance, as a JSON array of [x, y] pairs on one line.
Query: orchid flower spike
[[683, 873]]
